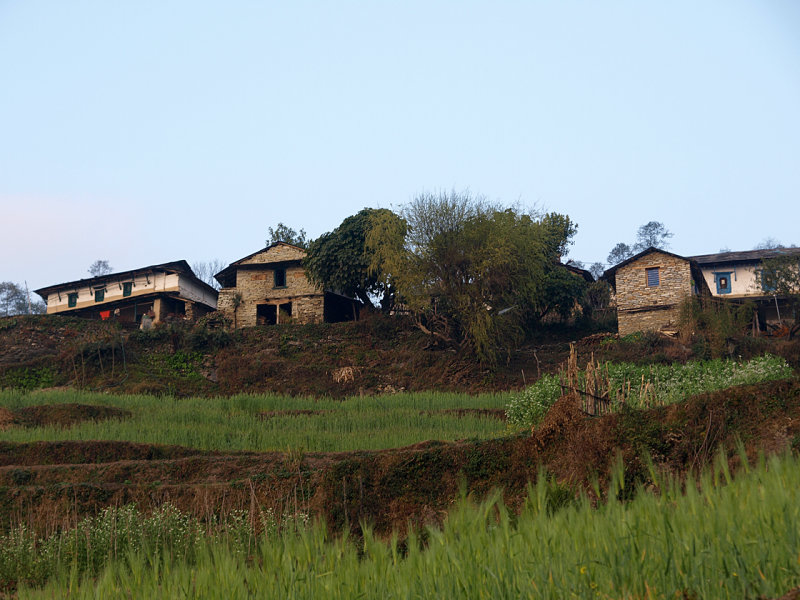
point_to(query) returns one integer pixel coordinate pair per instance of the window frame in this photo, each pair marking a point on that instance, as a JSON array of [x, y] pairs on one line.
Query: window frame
[[648, 271], [100, 294], [127, 288], [72, 299], [275, 277], [726, 275]]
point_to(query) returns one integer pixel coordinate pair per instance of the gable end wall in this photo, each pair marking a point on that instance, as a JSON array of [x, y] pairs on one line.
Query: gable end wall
[[642, 308]]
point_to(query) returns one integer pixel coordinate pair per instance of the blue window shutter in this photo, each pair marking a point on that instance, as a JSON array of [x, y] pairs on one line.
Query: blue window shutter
[[723, 281], [652, 277]]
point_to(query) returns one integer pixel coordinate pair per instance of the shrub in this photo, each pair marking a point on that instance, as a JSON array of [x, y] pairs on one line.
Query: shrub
[[645, 385]]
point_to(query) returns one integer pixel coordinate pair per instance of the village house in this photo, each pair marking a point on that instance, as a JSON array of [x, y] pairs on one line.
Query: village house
[[157, 291], [651, 285], [270, 287]]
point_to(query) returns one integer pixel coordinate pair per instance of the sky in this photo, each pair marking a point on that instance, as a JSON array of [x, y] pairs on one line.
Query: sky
[[151, 131]]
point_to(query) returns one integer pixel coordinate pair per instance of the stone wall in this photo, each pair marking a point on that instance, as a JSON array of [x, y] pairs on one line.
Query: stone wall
[[641, 307], [278, 253], [255, 282]]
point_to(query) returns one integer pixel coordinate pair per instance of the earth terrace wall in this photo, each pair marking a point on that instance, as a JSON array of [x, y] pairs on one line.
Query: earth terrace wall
[[641, 307]]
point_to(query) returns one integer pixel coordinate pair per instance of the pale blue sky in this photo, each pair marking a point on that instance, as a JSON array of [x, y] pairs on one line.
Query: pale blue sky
[[149, 131]]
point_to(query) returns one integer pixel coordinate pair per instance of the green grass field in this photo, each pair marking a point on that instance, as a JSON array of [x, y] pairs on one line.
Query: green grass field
[[726, 538], [233, 423]]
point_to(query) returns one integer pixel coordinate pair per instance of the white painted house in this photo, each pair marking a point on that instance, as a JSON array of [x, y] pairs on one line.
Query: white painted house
[[161, 290]]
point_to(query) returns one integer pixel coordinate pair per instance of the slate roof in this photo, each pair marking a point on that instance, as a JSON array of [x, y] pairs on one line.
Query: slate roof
[[176, 266], [745, 256]]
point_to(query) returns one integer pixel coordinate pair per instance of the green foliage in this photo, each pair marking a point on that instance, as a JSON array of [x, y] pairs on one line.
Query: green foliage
[[474, 274], [181, 363], [652, 384], [339, 260], [531, 404], [7, 324], [284, 233], [237, 423], [781, 276], [28, 378], [694, 541], [714, 325]]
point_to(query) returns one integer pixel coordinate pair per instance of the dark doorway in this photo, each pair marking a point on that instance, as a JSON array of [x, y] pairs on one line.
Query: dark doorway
[[286, 312], [266, 314]]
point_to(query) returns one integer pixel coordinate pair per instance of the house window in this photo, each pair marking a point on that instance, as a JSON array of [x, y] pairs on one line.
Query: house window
[[280, 278], [99, 295], [767, 281], [72, 300], [723, 281], [127, 288], [652, 277]]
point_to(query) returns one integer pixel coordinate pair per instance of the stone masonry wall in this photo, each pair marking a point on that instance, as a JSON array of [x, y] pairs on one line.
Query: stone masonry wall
[[256, 284], [641, 307]]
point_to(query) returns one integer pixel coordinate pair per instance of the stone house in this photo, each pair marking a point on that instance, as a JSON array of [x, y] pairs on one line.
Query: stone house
[[650, 287], [270, 286], [166, 289]]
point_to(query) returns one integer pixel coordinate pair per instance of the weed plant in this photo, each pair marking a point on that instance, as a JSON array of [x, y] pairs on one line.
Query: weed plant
[[237, 422], [721, 538], [652, 385]]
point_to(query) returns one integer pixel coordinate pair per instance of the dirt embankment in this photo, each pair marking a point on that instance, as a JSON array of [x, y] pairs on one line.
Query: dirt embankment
[[391, 488]]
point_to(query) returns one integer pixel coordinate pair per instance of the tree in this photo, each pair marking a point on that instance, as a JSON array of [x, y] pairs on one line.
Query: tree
[[205, 271], [339, 260], [653, 234], [597, 269], [99, 267], [768, 243], [474, 274], [284, 233], [15, 300], [781, 276], [619, 253]]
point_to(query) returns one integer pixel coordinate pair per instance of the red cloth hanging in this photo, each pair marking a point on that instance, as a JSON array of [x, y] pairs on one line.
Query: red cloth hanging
[[105, 314]]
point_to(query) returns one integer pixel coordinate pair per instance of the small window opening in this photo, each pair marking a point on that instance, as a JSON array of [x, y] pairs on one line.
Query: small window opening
[[99, 295], [723, 281], [652, 277], [280, 278], [127, 288], [72, 300], [767, 281]]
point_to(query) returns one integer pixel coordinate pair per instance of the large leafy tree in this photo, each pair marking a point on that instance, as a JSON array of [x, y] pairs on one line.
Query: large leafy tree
[[339, 261], [472, 273]]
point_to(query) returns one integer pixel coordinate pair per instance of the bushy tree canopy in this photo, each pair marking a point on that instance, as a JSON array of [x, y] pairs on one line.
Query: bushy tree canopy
[[338, 260], [474, 273], [284, 233]]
